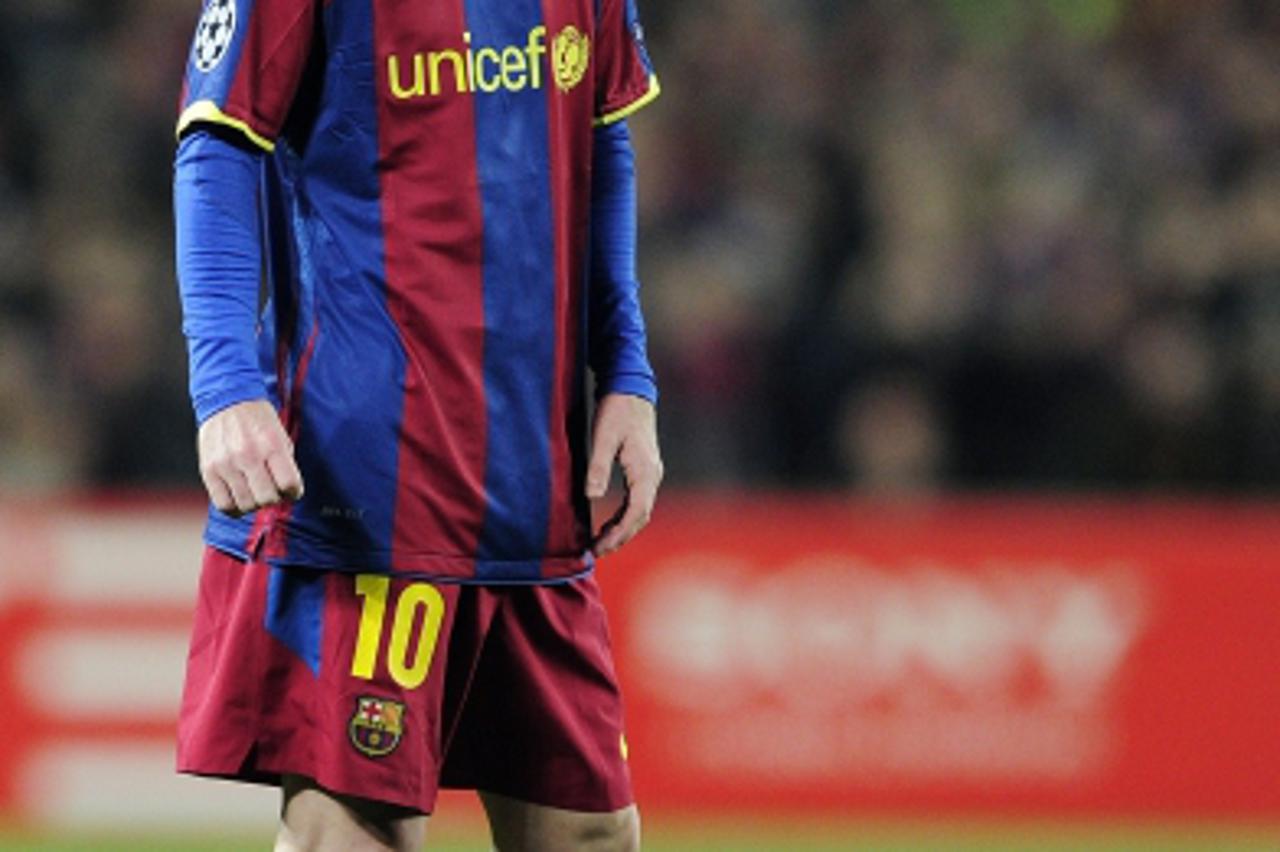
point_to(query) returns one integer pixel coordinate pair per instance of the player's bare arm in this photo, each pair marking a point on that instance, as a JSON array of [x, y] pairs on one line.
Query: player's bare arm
[[625, 431], [246, 459]]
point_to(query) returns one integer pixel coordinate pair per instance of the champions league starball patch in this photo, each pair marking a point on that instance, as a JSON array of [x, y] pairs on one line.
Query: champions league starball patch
[[213, 35], [376, 726]]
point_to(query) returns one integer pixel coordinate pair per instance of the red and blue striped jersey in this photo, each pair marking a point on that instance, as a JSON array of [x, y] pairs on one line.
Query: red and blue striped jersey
[[426, 207]]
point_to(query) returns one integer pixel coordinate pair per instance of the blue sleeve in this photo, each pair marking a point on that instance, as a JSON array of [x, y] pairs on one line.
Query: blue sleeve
[[219, 258], [617, 348]]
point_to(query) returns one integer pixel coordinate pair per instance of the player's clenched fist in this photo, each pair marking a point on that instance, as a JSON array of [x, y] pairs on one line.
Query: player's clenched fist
[[246, 459], [625, 429]]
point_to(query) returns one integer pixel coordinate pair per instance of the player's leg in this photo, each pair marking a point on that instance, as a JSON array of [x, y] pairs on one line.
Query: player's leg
[[316, 820], [525, 827]]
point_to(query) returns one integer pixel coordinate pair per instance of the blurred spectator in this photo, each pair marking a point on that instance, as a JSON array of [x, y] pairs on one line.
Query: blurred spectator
[[891, 245], [890, 439]]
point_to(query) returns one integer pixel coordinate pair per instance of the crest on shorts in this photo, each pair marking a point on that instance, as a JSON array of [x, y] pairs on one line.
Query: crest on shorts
[[213, 34], [376, 726]]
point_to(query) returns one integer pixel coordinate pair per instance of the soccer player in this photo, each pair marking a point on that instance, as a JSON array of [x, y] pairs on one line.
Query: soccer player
[[396, 592]]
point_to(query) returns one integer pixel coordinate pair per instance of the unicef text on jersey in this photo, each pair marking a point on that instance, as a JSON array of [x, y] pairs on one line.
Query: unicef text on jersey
[[512, 68]]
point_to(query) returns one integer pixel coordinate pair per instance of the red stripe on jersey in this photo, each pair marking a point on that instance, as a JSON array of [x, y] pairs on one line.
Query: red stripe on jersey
[[435, 291], [291, 394], [570, 122], [269, 537], [273, 55]]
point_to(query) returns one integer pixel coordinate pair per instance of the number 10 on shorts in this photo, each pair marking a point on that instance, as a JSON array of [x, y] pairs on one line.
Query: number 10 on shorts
[[408, 665]]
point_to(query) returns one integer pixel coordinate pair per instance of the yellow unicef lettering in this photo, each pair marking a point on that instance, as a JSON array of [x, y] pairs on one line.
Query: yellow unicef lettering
[[471, 64], [483, 82], [536, 48], [513, 68], [410, 675], [373, 589], [514, 73], [397, 86], [459, 75]]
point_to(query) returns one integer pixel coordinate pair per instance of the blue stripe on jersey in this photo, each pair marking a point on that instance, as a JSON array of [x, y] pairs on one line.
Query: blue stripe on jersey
[[353, 388], [513, 157], [215, 85], [295, 612]]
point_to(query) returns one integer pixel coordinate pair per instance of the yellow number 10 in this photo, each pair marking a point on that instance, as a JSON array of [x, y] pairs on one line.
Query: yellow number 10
[[410, 674]]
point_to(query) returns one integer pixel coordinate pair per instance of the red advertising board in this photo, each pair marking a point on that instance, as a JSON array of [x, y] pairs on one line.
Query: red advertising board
[[992, 655], [782, 654]]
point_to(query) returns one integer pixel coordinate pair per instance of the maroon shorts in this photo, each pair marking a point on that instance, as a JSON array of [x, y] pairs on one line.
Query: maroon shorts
[[389, 689]]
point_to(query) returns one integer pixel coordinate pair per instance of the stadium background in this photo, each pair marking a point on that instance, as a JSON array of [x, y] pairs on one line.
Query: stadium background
[[967, 314]]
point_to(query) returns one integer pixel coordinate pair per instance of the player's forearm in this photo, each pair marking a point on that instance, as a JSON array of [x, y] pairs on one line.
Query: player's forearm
[[219, 265], [618, 351]]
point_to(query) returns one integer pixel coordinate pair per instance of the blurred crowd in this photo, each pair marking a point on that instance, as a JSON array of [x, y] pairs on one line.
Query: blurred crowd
[[977, 243], [888, 245]]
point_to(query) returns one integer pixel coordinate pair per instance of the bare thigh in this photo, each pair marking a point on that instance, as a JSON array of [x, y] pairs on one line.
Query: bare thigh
[[519, 826], [316, 820]]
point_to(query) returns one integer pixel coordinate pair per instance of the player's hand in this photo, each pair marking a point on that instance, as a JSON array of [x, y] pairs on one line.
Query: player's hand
[[625, 430], [246, 459]]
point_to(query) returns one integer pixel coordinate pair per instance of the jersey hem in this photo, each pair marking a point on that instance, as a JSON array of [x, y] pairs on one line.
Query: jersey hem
[[210, 112], [647, 97], [435, 568]]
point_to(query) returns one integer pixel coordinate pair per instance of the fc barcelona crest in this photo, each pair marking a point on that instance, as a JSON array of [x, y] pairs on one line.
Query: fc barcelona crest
[[570, 56], [376, 726]]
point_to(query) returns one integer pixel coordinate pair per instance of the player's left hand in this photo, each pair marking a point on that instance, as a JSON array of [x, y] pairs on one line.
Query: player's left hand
[[625, 430]]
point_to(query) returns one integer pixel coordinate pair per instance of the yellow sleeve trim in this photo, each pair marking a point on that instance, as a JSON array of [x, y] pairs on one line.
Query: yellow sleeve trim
[[639, 103], [208, 111]]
